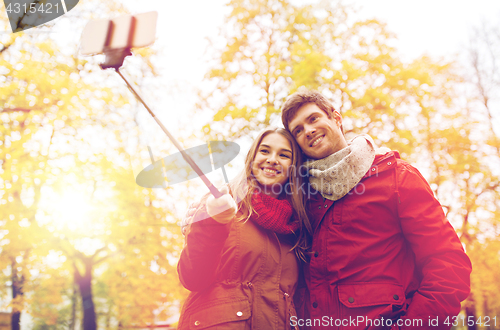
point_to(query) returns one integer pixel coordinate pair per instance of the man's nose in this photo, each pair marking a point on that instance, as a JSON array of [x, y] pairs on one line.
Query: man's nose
[[309, 130]]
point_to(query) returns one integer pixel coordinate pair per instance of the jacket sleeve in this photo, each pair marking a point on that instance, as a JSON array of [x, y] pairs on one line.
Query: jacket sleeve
[[201, 255], [439, 255]]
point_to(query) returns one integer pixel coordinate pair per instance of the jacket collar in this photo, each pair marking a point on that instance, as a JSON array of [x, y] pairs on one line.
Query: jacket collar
[[382, 163]]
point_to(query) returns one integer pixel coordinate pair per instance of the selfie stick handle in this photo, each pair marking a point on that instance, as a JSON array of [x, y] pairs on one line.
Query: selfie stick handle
[[216, 193]]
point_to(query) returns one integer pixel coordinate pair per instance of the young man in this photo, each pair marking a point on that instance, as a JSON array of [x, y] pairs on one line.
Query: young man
[[383, 253]]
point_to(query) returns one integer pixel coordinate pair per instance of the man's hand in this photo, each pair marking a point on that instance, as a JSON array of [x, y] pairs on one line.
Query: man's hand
[[222, 209]]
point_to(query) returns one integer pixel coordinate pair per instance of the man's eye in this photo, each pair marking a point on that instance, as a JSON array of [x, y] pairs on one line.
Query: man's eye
[[314, 118], [297, 131]]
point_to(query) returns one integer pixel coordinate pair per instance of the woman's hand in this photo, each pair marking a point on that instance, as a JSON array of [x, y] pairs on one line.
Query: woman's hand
[[222, 209]]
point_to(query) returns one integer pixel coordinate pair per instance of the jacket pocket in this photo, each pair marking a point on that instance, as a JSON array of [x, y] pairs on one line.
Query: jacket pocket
[[375, 305], [235, 312]]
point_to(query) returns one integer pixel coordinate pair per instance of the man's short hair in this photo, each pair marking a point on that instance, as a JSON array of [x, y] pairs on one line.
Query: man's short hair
[[302, 97]]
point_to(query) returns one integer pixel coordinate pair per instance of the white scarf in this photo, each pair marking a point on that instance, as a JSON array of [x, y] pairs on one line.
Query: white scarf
[[334, 176]]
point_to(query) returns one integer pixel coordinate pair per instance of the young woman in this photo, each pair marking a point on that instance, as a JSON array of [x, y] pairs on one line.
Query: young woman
[[239, 261]]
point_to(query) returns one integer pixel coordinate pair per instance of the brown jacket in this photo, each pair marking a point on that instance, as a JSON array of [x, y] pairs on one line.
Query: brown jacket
[[241, 275]]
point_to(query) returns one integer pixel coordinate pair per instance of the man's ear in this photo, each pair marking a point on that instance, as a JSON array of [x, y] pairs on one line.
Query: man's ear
[[337, 117]]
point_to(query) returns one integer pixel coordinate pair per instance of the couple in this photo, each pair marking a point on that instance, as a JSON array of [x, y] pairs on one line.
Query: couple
[[354, 236]]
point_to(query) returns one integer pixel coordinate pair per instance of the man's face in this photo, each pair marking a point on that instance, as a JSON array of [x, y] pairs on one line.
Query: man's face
[[317, 135]]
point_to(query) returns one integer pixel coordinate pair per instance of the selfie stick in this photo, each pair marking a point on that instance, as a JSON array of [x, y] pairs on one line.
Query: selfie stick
[[188, 159], [114, 59]]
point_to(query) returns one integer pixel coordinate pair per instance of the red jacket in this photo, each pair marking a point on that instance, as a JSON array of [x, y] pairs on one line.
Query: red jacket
[[383, 252]]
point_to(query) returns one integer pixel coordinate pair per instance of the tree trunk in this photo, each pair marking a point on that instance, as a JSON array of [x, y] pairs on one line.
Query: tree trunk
[[487, 312], [72, 322], [17, 292], [108, 315], [85, 285], [470, 310]]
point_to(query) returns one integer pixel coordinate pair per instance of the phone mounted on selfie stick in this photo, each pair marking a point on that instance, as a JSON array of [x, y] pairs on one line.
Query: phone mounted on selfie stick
[[115, 38]]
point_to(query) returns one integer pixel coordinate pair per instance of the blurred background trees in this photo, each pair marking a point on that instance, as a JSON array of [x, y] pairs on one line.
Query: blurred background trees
[[82, 246]]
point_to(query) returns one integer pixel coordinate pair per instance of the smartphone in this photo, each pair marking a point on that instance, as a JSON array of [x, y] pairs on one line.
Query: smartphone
[[127, 31]]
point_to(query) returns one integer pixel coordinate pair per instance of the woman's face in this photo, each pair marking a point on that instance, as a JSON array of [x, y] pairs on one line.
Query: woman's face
[[271, 163]]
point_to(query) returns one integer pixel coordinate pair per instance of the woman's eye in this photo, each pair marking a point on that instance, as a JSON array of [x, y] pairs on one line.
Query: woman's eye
[[314, 118], [286, 156], [264, 151]]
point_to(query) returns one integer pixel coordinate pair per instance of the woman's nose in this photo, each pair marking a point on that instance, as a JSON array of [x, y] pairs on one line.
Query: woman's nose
[[272, 159]]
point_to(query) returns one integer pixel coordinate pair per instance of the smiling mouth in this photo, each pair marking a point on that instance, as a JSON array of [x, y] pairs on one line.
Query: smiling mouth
[[316, 141], [270, 171]]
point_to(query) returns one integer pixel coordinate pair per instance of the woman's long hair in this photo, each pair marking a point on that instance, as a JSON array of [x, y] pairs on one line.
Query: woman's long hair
[[243, 186]]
